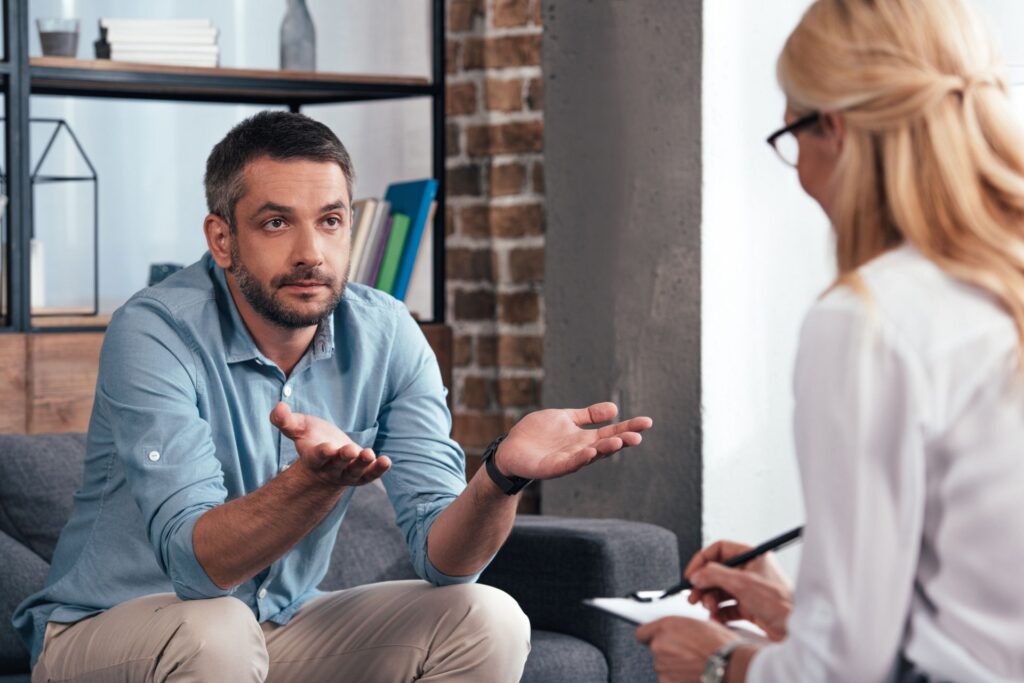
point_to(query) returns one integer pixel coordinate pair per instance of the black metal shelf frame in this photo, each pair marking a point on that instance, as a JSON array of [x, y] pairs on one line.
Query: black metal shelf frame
[[20, 79]]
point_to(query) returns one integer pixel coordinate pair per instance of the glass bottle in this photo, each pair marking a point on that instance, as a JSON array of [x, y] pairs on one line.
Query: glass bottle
[[298, 38]]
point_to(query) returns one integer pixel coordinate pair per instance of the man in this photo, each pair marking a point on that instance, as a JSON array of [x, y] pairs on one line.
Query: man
[[202, 529]]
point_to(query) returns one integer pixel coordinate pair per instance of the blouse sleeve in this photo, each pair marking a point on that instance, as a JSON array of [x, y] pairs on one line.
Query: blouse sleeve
[[858, 426]]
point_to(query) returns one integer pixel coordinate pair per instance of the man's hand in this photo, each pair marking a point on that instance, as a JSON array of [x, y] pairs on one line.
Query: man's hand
[[551, 443], [682, 646], [326, 451], [761, 592]]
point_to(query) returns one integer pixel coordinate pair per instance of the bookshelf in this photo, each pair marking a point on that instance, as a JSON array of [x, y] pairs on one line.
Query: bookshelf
[[23, 76], [48, 367]]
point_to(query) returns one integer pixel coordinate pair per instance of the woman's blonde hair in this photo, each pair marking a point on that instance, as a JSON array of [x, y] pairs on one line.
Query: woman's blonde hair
[[933, 154]]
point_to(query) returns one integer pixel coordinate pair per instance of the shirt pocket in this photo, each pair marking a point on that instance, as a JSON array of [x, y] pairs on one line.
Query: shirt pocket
[[364, 438]]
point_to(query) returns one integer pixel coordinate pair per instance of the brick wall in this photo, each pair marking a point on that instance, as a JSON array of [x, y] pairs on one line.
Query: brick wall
[[495, 217]]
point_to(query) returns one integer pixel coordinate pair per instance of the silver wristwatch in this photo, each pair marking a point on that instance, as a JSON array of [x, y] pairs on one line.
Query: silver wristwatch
[[714, 670]]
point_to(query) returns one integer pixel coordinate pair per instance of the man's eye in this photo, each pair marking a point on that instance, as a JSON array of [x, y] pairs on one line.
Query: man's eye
[[333, 221], [275, 223]]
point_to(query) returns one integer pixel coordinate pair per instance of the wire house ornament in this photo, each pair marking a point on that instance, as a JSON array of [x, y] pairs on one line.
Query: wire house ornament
[[38, 178]]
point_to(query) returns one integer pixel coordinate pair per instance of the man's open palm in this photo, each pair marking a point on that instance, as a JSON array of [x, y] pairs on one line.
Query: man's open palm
[[327, 451], [551, 443]]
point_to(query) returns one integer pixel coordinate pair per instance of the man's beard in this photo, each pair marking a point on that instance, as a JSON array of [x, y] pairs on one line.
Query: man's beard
[[264, 300]]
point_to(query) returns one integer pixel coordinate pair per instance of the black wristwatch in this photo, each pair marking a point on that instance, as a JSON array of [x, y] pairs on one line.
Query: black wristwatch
[[509, 485]]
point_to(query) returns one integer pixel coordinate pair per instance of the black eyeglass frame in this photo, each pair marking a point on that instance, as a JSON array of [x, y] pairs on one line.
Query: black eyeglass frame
[[800, 123]]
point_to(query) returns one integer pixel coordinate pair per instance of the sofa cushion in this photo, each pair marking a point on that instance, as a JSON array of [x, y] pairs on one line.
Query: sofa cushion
[[370, 548], [23, 573], [38, 478], [562, 658]]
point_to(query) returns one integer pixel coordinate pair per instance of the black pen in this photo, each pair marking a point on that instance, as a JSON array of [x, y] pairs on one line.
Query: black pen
[[741, 559]]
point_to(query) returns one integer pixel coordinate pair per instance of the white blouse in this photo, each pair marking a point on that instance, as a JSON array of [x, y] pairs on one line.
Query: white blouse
[[909, 426]]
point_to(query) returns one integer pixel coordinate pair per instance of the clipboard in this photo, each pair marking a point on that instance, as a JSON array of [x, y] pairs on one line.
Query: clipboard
[[676, 605]]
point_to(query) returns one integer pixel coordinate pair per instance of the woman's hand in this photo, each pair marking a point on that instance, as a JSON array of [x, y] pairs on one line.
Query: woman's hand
[[761, 592], [682, 646]]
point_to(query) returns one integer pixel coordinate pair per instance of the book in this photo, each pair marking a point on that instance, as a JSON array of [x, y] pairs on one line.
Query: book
[[372, 248], [400, 225], [170, 50], [413, 200], [154, 24], [204, 36], [379, 248], [182, 42], [178, 42], [363, 213], [420, 297]]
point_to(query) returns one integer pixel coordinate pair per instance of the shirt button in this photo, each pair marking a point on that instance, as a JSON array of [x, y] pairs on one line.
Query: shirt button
[[259, 362], [285, 466], [262, 594], [287, 390], [154, 456]]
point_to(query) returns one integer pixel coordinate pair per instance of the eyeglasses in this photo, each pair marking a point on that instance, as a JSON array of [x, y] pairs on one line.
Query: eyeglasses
[[784, 141]]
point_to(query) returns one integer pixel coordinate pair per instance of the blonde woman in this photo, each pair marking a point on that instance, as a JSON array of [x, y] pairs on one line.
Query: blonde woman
[[909, 381]]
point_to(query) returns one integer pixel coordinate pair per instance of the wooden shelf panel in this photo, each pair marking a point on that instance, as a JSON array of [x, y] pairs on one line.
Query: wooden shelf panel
[[57, 322], [105, 78], [49, 380]]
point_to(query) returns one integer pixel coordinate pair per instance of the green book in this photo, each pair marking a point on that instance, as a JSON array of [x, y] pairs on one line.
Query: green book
[[393, 253]]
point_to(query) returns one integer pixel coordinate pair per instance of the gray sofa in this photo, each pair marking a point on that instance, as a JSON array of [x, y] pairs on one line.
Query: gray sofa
[[549, 564]]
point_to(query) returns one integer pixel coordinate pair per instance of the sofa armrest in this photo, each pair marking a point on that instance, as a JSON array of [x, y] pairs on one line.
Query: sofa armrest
[[550, 564], [22, 573]]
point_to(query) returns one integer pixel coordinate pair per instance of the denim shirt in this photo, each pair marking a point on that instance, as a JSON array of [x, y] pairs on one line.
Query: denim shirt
[[181, 424]]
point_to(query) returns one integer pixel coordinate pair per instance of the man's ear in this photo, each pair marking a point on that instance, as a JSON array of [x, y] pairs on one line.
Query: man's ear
[[218, 240], [834, 125]]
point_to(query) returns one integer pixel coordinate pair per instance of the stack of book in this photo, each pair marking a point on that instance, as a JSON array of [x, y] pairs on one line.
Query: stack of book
[[392, 245], [178, 42]]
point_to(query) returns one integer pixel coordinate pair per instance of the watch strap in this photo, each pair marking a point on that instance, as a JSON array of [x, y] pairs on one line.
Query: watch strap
[[714, 669], [510, 486]]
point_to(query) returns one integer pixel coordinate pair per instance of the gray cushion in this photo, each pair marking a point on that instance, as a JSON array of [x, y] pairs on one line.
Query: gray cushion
[[558, 657], [370, 548], [38, 477], [23, 573]]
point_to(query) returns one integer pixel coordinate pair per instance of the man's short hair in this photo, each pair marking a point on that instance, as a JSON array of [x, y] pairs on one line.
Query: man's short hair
[[279, 135]]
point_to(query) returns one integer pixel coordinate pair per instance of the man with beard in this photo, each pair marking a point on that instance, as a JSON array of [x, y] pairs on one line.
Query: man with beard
[[202, 527]]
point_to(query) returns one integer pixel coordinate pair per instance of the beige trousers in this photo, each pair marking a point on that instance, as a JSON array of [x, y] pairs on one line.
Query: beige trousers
[[388, 632]]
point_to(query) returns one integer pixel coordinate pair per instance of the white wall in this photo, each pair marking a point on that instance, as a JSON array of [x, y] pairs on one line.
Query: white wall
[[1005, 18], [150, 156], [766, 256]]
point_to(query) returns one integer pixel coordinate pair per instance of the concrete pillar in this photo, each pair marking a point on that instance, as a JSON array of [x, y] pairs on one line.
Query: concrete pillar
[[622, 154]]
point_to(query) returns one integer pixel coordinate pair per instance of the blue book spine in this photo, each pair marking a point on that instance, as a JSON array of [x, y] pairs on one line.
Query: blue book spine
[[413, 199]]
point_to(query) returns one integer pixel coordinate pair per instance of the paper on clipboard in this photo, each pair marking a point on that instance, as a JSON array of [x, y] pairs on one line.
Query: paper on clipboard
[[677, 605]]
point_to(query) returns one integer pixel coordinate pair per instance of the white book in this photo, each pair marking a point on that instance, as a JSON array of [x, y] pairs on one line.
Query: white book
[[373, 241], [155, 24], [173, 51], [365, 210], [170, 61], [205, 36]]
